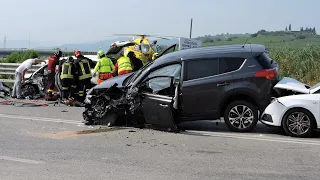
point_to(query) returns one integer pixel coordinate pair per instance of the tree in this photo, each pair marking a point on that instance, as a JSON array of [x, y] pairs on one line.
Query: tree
[[254, 35], [307, 29], [289, 27], [314, 30], [286, 28], [301, 29]]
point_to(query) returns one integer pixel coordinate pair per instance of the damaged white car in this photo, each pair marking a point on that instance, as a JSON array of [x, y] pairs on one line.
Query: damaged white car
[[296, 110]]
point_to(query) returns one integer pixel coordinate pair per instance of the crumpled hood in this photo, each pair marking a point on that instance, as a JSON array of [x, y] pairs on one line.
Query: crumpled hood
[[293, 85], [110, 82], [27, 75]]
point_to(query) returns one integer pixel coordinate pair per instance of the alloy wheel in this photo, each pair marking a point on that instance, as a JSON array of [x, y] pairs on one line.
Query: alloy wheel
[[298, 123], [241, 116]]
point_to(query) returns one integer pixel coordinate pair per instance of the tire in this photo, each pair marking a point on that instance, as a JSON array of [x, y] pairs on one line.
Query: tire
[[289, 119], [239, 124]]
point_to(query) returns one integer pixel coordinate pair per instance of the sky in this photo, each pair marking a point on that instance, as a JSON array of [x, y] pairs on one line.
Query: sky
[[79, 21]]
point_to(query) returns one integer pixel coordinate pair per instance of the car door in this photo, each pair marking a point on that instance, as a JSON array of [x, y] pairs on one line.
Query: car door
[[168, 50], [203, 89], [157, 101], [159, 91]]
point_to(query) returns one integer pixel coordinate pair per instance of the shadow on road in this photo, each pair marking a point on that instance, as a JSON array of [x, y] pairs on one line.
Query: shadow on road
[[217, 126]]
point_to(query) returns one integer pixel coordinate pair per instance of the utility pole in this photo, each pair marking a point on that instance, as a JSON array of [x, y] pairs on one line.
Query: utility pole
[[191, 28], [5, 42], [29, 40]]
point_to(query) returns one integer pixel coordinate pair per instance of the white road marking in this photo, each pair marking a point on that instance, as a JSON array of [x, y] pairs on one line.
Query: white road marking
[[255, 137], [20, 160], [41, 119]]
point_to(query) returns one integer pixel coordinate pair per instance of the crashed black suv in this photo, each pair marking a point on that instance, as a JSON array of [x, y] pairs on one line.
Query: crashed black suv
[[231, 81]]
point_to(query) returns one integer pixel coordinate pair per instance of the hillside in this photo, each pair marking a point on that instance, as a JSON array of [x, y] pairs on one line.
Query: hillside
[[293, 39]]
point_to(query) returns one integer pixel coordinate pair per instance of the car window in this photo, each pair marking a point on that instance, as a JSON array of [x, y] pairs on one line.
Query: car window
[[201, 68], [229, 64], [160, 84], [266, 62], [170, 70]]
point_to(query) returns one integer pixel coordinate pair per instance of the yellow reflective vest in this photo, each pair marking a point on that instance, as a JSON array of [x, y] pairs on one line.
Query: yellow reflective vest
[[66, 71], [105, 65], [85, 71], [124, 64]]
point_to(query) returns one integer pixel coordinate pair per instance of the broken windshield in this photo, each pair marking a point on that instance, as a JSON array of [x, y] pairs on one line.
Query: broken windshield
[[136, 74]]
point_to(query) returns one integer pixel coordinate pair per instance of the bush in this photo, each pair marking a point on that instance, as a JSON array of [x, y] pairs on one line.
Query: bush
[[254, 35], [301, 37], [300, 63], [20, 57]]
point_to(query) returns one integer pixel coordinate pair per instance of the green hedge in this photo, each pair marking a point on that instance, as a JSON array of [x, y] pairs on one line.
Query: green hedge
[[302, 64], [20, 57]]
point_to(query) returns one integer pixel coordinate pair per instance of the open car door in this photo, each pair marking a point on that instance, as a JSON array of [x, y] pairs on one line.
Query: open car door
[[168, 50], [158, 101]]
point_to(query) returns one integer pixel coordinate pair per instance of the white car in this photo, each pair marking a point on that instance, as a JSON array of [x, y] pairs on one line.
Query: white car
[[297, 111], [92, 57]]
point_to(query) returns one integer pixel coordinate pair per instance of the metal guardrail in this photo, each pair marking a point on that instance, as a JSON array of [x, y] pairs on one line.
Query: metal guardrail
[[10, 69], [42, 50]]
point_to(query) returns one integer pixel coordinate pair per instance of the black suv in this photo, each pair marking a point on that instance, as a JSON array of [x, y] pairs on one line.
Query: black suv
[[231, 81]]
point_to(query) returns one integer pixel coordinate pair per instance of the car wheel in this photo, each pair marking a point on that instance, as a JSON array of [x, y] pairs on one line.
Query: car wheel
[[298, 123], [241, 116]]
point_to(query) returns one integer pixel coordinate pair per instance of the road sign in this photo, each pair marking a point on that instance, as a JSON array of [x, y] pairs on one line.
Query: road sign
[[186, 43]]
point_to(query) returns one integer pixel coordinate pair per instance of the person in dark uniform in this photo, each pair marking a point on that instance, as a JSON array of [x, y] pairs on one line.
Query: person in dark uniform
[[67, 76], [83, 67], [137, 63]]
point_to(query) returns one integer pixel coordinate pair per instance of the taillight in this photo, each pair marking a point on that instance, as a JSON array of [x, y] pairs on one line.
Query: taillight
[[267, 73]]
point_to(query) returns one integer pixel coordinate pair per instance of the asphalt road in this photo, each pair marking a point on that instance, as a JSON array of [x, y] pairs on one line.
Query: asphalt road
[[52, 143]]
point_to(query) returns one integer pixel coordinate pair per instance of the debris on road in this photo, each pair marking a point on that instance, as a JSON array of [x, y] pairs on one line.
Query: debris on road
[[22, 103]]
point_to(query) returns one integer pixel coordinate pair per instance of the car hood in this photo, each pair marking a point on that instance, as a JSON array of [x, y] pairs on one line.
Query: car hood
[[293, 85], [110, 82]]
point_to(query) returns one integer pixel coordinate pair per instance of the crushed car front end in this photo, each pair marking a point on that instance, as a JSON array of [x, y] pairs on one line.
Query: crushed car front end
[[107, 101]]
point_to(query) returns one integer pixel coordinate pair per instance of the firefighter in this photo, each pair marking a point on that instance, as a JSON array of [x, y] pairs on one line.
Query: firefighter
[[83, 67], [123, 66], [104, 67], [53, 61], [67, 78]]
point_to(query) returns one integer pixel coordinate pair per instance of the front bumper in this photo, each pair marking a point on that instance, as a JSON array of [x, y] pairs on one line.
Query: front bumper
[[273, 113]]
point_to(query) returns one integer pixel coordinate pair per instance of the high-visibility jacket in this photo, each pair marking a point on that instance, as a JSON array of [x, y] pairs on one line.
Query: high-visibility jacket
[[67, 71], [104, 65], [124, 64], [85, 69]]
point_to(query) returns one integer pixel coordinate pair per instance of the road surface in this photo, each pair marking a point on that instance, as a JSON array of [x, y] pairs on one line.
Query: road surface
[[52, 143]]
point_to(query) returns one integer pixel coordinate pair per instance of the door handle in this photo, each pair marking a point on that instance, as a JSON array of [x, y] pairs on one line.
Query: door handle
[[163, 105], [223, 84]]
